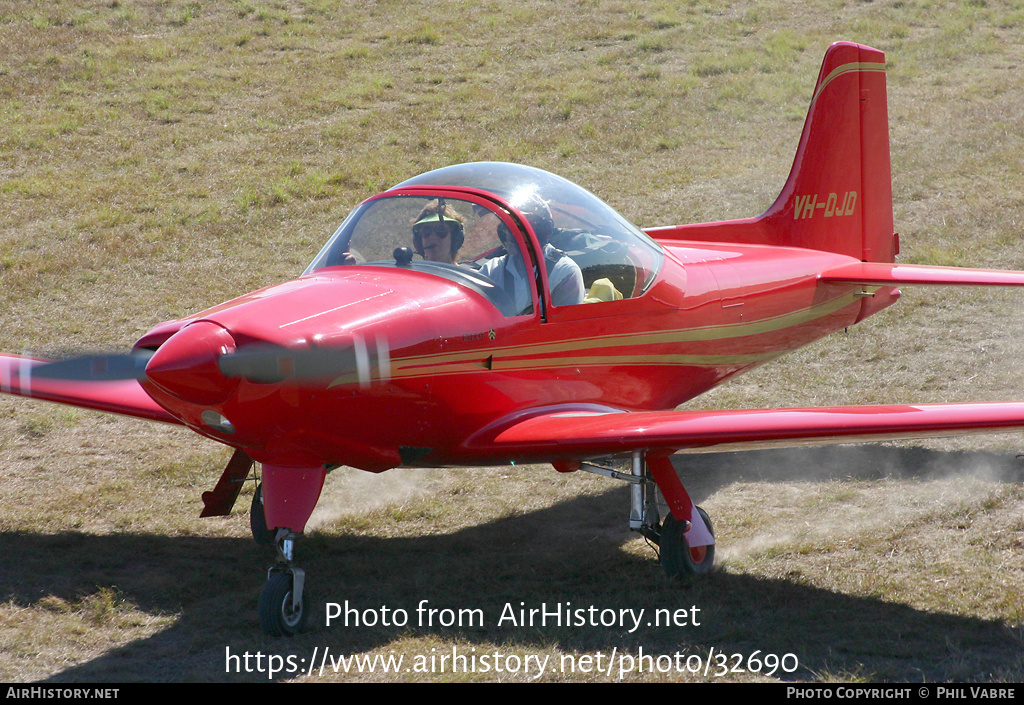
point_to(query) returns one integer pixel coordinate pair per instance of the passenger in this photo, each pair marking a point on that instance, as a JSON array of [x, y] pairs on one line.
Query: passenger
[[509, 272], [437, 234]]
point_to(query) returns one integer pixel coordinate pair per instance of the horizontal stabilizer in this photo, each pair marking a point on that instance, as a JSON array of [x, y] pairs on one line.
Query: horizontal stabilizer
[[890, 274]]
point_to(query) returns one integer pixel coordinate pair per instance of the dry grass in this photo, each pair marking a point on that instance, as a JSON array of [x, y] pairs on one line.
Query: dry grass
[[156, 157]]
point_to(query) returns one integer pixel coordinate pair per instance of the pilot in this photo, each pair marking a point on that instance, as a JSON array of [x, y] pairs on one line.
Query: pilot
[[437, 234], [509, 272]]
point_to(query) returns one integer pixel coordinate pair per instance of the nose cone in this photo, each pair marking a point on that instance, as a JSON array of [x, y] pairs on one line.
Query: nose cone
[[186, 365]]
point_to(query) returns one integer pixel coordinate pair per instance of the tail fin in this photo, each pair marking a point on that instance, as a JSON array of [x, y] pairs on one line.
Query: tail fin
[[838, 197], [839, 194]]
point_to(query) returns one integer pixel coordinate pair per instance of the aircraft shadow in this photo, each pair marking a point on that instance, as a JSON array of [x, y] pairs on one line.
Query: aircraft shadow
[[568, 553], [706, 473]]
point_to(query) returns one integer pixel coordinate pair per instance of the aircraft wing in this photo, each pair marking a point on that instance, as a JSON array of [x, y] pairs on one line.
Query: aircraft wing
[[889, 273], [575, 433], [123, 396]]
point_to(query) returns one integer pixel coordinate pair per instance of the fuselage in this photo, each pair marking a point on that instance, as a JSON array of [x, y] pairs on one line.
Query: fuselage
[[442, 367]]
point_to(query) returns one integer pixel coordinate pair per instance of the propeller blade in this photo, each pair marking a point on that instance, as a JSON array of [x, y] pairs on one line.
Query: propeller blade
[[273, 363], [96, 368]]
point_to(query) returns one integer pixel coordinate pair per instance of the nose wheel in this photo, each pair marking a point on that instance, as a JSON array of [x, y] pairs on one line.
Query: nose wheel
[[283, 606]]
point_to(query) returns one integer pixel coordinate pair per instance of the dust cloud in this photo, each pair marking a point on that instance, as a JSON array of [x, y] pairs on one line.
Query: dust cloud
[[842, 494], [349, 492]]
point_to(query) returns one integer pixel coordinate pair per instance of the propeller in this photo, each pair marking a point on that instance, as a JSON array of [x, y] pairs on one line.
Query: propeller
[[262, 363], [267, 363]]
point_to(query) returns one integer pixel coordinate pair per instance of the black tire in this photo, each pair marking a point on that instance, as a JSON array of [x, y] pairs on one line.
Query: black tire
[[677, 558], [277, 618], [258, 520]]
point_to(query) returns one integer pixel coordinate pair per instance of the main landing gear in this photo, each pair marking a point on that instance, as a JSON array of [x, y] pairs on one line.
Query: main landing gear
[[685, 538], [288, 494]]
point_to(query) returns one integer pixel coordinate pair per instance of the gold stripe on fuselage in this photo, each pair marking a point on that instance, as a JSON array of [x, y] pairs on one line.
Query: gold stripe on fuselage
[[585, 352]]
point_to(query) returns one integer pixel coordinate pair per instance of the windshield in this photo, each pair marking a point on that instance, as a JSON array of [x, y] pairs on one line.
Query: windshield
[[448, 237], [588, 252]]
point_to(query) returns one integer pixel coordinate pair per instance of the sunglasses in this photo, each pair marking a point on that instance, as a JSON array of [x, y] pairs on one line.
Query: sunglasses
[[437, 230]]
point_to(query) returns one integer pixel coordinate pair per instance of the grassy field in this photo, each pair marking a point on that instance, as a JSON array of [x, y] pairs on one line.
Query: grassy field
[[160, 156]]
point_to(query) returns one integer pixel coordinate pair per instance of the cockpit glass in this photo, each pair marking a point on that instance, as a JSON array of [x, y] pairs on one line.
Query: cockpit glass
[[611, 253], [590, 253]]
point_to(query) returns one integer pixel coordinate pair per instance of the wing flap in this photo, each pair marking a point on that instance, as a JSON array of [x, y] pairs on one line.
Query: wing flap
[[589, 434], [126, 396]]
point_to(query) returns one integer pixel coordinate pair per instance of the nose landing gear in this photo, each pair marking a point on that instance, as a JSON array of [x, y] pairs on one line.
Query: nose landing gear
[[280, 509]]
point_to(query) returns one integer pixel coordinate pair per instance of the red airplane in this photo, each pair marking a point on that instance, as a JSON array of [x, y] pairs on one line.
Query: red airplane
[[491, 314]]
